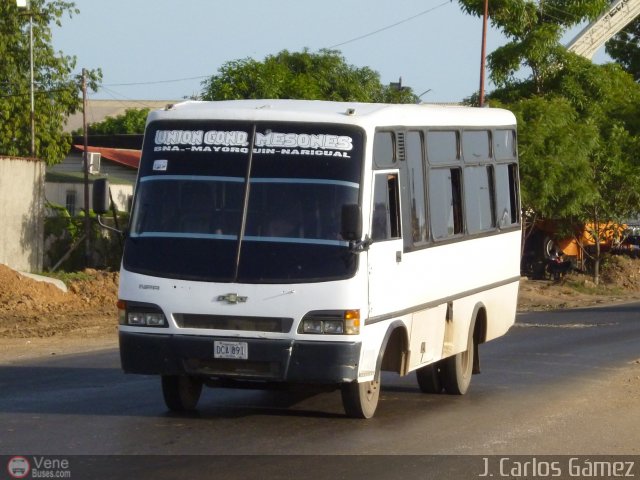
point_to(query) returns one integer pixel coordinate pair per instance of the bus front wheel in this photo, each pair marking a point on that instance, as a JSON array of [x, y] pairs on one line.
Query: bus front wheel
[[360, 400], [181, 392]]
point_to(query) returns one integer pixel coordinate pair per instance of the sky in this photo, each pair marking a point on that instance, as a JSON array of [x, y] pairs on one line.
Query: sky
[[164, 49]]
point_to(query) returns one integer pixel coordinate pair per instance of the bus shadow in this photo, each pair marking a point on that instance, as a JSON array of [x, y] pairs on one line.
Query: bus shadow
[[91, 391]]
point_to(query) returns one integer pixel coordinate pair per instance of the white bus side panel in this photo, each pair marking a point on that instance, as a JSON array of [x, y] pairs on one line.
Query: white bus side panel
[[482, 272], [427, 336], [500, 305]]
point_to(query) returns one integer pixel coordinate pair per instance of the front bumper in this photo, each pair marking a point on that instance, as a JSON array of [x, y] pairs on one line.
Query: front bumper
[[269, 360]]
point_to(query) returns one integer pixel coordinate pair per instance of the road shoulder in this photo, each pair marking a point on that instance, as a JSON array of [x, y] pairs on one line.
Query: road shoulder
[[16, 350]]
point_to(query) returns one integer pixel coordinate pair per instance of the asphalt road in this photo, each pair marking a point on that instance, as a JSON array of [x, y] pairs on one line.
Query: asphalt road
[[559, 383]]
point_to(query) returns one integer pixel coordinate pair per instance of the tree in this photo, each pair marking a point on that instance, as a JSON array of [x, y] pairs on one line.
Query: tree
[[555, 148], [578, 145], [132, 121], [534, 30], [301, 75], [57, 90], [624, 48], [578, 122]]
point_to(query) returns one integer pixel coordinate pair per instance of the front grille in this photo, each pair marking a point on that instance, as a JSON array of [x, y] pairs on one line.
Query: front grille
[[222, 322]]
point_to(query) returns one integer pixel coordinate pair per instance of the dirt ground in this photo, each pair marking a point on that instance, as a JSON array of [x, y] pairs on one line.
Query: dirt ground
[[37, 318], [619, 282]]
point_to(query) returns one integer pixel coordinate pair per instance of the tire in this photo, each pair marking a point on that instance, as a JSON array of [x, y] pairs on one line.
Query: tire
[[548, 246], [181, 392], [429, 378], [458, 369], [360, 400]]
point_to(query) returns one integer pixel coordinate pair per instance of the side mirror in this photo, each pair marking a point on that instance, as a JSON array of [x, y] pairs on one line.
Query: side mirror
[[351, 227], [100, 199]]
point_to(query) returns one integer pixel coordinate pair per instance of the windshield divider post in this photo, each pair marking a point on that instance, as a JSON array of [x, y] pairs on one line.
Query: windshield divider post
[[245, 204]]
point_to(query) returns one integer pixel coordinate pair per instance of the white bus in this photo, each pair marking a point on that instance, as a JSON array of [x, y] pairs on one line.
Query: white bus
[[284, 241]]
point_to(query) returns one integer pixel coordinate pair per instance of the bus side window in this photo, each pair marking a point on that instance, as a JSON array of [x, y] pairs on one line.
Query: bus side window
[[456, 207], [507, 200], [479, 195], [384, 149], [514, 199], [445, 199], [385, 223], [414, 210]]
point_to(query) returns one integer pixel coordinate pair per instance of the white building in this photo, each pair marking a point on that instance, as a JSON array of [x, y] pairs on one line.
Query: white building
[[65, 181]]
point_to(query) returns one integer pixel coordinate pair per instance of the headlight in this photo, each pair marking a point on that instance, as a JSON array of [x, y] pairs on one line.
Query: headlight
[[140, 315], [331, 322], [333, 326], [311, 326]]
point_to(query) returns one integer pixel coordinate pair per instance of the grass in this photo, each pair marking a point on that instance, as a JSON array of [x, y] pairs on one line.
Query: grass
[[68, 277], [589, 288]]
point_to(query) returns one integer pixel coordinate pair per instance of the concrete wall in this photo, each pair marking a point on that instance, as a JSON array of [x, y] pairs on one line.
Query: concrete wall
[[21, 213]]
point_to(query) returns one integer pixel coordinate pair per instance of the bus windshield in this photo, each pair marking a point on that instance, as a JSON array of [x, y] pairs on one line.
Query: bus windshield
[[212, 205]]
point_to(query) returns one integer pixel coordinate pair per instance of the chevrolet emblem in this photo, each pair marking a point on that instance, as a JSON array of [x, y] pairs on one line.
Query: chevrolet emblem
[[232, 298]]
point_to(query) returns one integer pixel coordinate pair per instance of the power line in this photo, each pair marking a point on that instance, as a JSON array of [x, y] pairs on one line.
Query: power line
[[200, 77], [390, 26], [155, 82], [106, 88], [124, 100], [568, 14], [36, 92]]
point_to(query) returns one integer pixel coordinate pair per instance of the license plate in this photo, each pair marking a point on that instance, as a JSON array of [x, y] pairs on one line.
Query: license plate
[[238, 350]]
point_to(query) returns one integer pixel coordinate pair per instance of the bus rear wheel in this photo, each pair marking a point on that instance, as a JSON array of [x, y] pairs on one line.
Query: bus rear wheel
[[181, 392], [360, 400], [429, 378], [458, 369]]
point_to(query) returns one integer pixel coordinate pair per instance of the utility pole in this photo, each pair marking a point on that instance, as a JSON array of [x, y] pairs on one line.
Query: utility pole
[[85, 156], [483, 53], [26, 4], [33, 104]]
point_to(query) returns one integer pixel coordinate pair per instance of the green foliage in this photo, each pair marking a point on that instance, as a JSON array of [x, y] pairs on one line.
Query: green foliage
[[624, 48], [606, 97], [301, 75], [578, 143], [69, 277], [62, 232], [554, 147], [58, 222], [534, 30], [57, 91], [578, 122], [132, 121]]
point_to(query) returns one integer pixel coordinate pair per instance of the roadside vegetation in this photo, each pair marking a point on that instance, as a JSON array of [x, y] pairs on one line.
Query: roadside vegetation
[[620, 282]]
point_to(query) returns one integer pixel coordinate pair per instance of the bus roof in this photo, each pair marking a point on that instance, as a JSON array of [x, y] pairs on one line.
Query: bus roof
[[354, 113]]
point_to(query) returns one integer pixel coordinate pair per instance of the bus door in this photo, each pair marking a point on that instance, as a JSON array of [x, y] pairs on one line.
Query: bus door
[[385, 253]]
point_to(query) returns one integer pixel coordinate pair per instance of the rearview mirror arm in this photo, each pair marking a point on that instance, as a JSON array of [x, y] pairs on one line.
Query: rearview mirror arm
[[107, 227], [359, 246]]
